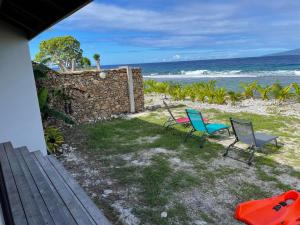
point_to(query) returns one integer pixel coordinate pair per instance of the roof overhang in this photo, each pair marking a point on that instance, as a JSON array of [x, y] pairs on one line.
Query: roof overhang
[[35, 16]]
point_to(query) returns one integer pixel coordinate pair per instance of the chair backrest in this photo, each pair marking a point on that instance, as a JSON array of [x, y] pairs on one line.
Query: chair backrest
[[168, 108], [243, 131], [196, 119]]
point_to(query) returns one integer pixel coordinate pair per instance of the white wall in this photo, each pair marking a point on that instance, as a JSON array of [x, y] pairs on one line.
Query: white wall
[[20, 120]]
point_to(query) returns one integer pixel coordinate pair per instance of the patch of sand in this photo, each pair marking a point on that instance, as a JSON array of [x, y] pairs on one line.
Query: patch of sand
[[126, 216], [256, 106], [147, 140], [144, 157]]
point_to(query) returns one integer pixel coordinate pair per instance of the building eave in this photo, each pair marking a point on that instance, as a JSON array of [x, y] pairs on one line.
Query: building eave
[[35, 16]]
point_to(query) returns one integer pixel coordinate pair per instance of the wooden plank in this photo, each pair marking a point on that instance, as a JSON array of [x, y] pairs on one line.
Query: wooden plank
[[34, 190], [16, 208], [31, 210], [65, 193], [54, 204], [6, 212], [81, 195]]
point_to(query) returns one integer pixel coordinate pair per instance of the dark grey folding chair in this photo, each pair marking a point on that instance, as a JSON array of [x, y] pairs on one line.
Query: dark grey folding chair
[[244, 132]]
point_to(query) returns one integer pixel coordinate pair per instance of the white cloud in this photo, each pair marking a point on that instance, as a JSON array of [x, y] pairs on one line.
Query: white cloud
[[198, 19], [254, 23]]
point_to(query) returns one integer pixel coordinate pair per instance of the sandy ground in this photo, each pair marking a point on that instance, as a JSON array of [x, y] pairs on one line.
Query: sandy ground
[[257, 106]]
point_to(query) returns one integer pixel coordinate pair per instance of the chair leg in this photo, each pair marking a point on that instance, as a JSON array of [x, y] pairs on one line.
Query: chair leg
[[166, 123], [276, 142], [228, 132], [189, 134], [202, 140], [230, 146], [251, 156], [187, 124]]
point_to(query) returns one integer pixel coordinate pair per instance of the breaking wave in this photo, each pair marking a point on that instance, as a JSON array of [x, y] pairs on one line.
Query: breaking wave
[[223, 74]]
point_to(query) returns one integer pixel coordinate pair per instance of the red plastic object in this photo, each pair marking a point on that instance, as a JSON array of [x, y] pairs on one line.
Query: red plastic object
[[283, 209], [187, 120]]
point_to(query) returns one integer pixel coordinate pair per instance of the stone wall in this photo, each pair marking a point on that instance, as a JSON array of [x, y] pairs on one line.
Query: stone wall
[[87, 97]]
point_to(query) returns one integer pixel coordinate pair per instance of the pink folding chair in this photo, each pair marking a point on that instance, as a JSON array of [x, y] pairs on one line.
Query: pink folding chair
[[172, 120]]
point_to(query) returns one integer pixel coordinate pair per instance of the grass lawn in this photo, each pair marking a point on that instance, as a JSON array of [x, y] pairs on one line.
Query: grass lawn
[[150, 170]]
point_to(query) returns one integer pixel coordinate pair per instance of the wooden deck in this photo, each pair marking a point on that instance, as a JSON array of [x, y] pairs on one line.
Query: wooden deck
[[37, 190]]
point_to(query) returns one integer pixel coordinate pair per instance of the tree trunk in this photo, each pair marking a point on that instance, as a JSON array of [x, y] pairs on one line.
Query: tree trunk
[[73, 65], [98, 64], [62, 67]]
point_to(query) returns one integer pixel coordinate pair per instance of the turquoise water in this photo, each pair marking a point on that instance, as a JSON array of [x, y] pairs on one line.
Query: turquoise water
[[227, 72]]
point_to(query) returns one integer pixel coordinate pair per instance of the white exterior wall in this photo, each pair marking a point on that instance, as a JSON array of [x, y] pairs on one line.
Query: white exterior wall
[[20, 120]]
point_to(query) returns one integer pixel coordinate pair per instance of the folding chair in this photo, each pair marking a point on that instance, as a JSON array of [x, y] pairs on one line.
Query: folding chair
[[244, 132], [198, 124]]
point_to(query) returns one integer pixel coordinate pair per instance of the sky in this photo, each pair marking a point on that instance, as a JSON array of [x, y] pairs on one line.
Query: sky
[[131, 31]]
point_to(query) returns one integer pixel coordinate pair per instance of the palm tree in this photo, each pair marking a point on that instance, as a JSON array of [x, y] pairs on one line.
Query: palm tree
[[97, 59], [249, 89], [234, 97], [264, 91], [220, 96], [296, 87]]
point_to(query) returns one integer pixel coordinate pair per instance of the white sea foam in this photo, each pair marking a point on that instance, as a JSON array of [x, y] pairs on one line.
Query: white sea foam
[[223, 74]]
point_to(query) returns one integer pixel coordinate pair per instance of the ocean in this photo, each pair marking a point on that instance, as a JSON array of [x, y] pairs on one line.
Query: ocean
[[228, 73]]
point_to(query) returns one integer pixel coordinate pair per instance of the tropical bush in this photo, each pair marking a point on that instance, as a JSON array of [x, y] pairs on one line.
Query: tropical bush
[[210, 93], [53, 136], [190, 91], [296, 87], [177, 92], [234, 97], [264, 91], [220, 96], [54, 139], [281, 93], [249, 89], [45, 96]]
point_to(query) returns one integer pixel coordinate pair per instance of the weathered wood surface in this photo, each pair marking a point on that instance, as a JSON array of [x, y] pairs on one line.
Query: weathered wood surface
[[17, 212], [37, 190], [89, 205]]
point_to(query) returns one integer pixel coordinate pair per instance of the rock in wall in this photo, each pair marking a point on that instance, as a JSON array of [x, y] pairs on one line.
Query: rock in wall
[[87, 97]]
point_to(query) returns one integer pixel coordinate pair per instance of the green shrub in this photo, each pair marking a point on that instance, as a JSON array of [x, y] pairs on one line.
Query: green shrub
[[220, 96], [281, 93], [208, 91], [296, 87], [54, 139], [284, 93], [149, 86], [234, 97], [45, 96], [249, 89], [190, 92], [177, 92], [264, 92]]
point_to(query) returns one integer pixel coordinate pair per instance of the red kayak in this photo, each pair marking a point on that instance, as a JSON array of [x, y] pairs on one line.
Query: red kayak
[[283, 209]]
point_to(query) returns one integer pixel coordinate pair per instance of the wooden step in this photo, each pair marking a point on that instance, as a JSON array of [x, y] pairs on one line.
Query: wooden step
[[37, 190], [14, 212]]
